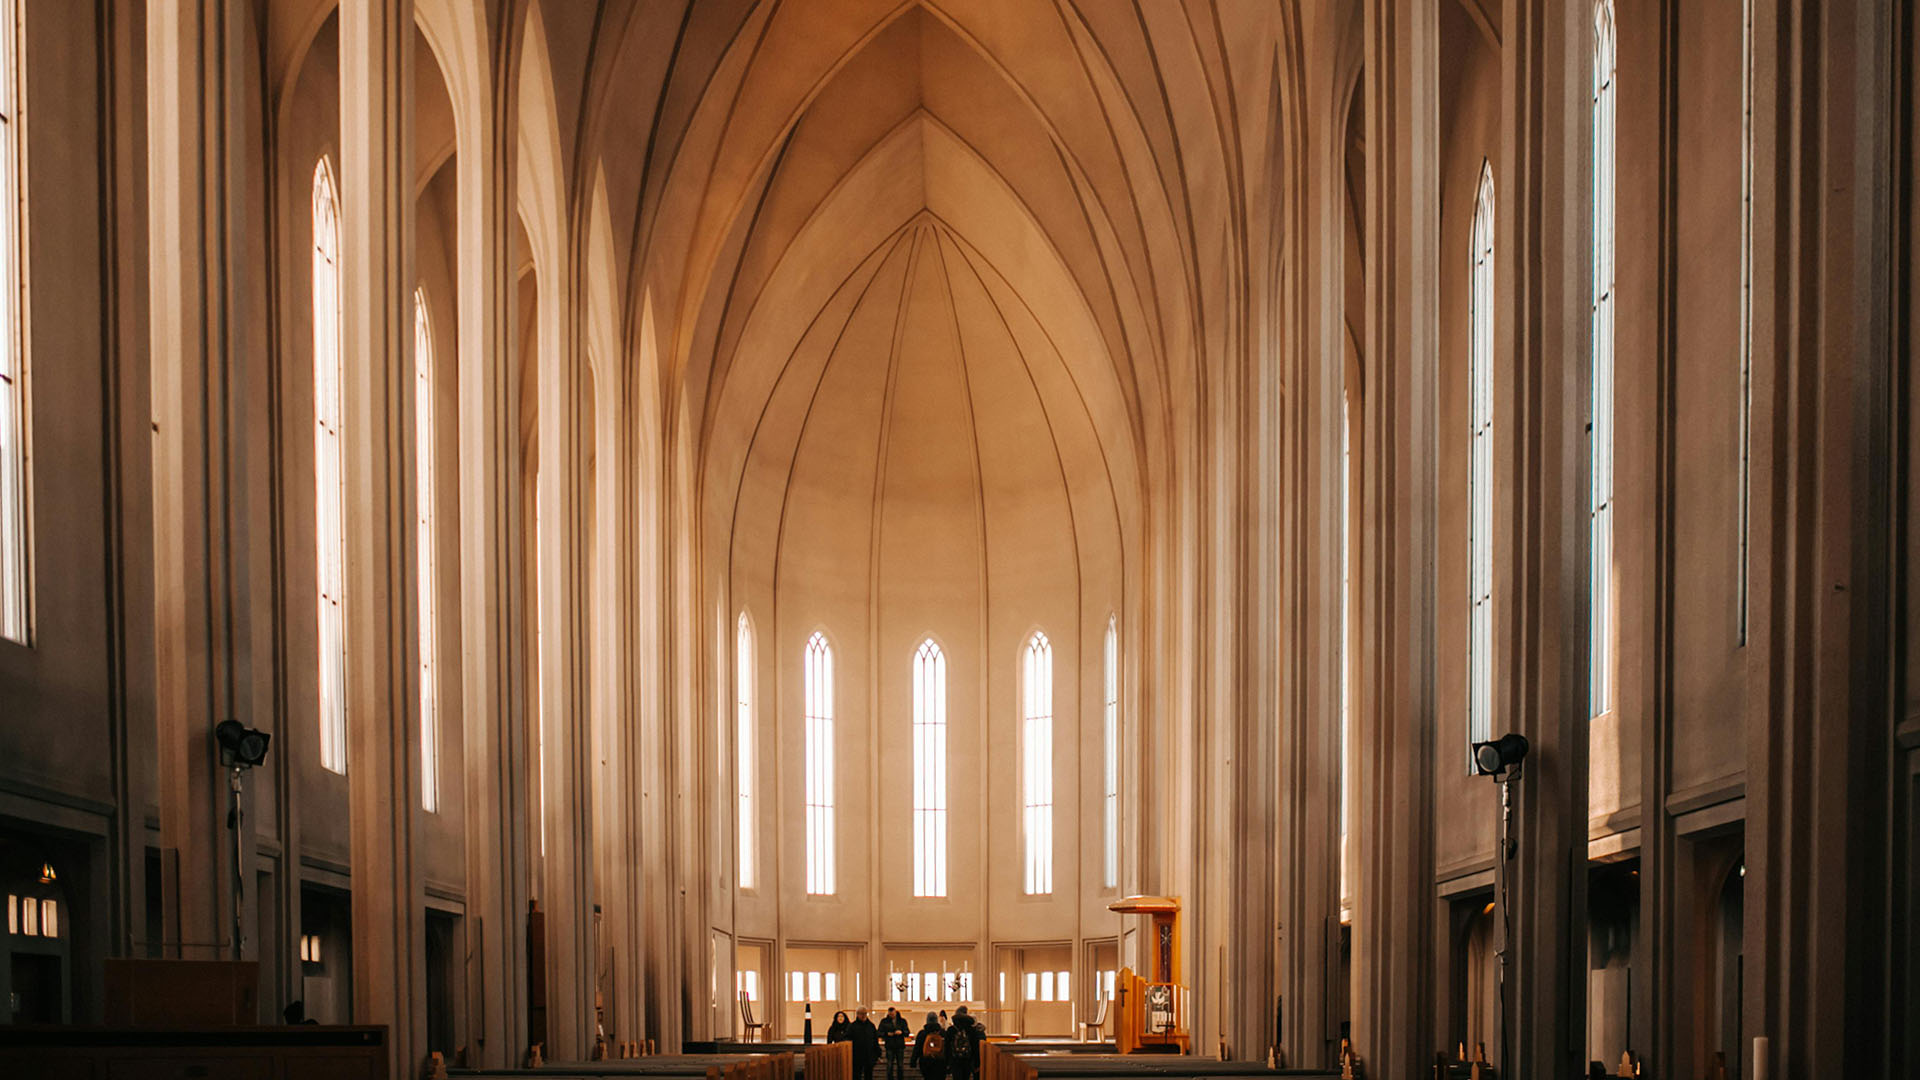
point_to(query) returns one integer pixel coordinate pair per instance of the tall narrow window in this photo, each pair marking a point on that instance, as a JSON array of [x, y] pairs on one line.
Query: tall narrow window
[[1746, 315], [1036, 756], [1480, 474], [818, 685], [1110, 797], [929, 770], [1346, 644], [329, 510], [538, 708], [1600, 656], [14, 581], [424, 538], [744, 738]]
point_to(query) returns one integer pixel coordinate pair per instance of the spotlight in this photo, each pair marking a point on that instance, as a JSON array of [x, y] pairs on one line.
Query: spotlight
[[1496, 757], [241, 746]]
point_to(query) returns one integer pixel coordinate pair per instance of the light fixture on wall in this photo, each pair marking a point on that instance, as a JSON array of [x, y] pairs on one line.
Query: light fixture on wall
[[47, 876], [241, 748], [1501, 759], [1495, 757]]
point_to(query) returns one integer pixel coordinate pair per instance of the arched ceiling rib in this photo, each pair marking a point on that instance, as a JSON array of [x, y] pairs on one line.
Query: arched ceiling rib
[[760, 107]]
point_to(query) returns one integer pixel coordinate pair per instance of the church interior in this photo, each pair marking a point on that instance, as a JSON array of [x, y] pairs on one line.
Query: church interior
[[1365, 538]]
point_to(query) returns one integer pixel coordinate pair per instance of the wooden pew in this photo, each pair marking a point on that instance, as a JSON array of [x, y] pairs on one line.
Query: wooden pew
[[996, 1063], [832, 1062]]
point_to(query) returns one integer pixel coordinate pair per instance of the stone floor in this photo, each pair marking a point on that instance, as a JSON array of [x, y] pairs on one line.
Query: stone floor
[[1068, 1065]]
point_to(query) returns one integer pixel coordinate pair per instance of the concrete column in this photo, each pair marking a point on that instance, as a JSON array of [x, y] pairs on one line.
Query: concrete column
[[1543, 393], [1393, 719], [1828, 949], [565, 687], [383, 760], [491, 670], [1311, 318], [196, 218]]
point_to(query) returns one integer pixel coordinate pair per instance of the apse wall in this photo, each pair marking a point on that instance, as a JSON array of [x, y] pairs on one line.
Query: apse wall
[[923, 469]]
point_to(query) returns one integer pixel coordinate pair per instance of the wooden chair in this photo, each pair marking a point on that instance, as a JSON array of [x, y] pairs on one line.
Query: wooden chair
[[1090, 1029], [755, 1029]]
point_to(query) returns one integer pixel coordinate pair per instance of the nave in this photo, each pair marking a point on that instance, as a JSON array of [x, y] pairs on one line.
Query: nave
[[1332, 533]]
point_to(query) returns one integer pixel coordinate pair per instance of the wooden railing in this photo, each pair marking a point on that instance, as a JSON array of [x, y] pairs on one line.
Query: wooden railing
[[997, 1063], [757, 1067], [831, 1062]]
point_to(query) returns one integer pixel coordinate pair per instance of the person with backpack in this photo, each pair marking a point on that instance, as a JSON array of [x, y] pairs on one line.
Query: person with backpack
[[930, 1049], [963, 1046]]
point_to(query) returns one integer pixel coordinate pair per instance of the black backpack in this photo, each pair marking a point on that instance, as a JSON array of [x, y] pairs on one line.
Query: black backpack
[[960, 1042]]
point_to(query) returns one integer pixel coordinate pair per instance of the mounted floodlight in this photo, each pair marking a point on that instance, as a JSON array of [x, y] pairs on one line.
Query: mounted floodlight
[[1496, 757], [241, 746]]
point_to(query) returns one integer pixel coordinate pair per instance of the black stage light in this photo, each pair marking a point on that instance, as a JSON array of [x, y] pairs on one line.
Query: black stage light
[[1496, 757], [240, 745]]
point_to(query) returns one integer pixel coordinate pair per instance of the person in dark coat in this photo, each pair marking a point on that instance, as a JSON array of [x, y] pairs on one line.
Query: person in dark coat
[[930, 1049], [963, 1046], [893, 1033], [837, 1031], [866, 1045]]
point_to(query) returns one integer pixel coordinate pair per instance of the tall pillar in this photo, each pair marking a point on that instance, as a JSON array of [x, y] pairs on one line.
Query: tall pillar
[[196, 220], [1543, 286], [565, 688], [492, 672], [1394, 696], [383, 759], [1828, 950], [1310, 687]]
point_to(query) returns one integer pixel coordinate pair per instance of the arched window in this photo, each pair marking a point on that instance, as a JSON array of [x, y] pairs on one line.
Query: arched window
[[744, 737], [15, 589], [535, 679], [818, 684], [426, 566], [1036, 757], [1346, 643], [1480, 474], [329, 511], [1110, 797], [1746, 318], [1600, 674], [929, 770]]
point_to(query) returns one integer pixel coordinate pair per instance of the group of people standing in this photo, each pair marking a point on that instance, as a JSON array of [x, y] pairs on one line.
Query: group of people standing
[[942, 1050]]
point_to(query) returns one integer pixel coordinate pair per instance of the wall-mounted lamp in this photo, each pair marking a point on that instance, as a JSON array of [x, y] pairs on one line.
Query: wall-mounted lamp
[[1496, 757], [241, 747]]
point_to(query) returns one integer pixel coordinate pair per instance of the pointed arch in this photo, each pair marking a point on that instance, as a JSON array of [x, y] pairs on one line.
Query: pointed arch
[[426, 568], [1036, 760], [818, 684], [329, 510], [1605, 139], [1480, 470], [746, 738], [929, 770]]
